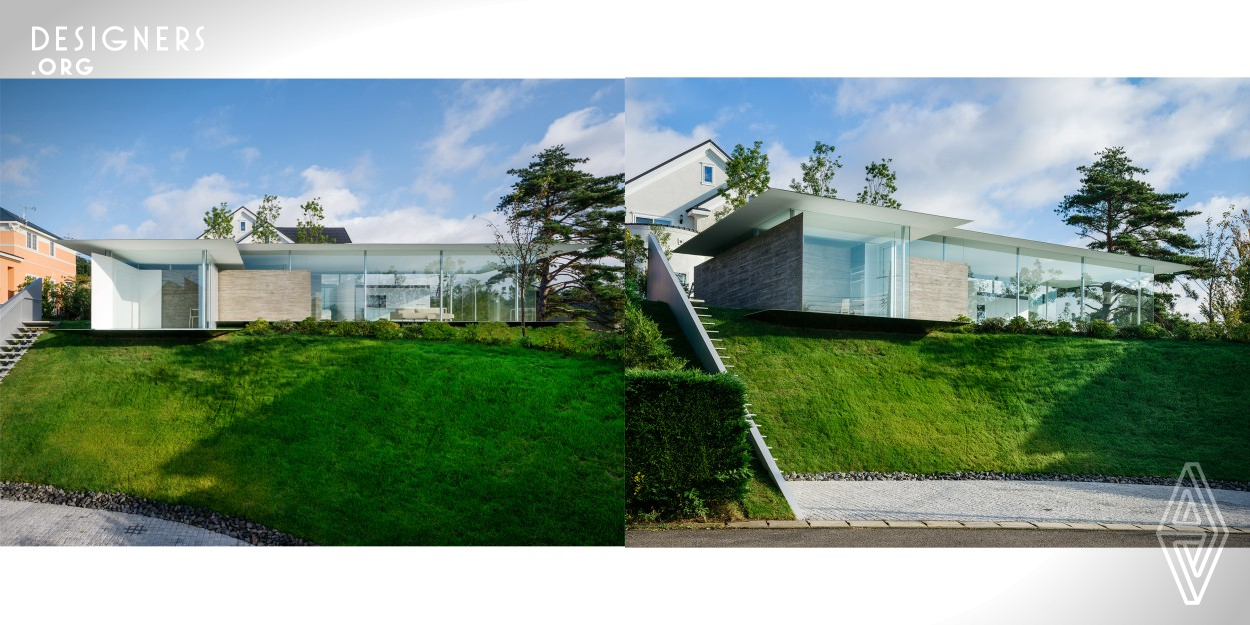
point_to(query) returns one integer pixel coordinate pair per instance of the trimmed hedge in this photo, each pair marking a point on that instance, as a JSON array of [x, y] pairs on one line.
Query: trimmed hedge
[[685, 442]]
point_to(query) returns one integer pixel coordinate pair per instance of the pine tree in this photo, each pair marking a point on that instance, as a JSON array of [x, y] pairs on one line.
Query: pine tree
[[577, 207]]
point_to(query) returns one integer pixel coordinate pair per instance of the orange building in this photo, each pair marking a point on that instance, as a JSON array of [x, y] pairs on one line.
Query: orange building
[[28, 250]]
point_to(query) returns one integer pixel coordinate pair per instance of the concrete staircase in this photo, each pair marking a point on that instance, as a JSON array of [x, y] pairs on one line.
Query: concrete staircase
[[13, 347], [708, 324]]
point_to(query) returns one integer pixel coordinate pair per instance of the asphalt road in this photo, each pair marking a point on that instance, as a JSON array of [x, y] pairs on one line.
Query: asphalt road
[[898, 537]]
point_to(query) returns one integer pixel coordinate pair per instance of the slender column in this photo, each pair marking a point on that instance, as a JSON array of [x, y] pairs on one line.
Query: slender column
[[440, 285]]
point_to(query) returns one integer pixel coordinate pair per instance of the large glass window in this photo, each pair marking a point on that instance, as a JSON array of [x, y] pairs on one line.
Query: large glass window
[[338, 283], [168, 293], [1052, 286], [405, 287], [992, 279], [1112, 291], [853, 266]]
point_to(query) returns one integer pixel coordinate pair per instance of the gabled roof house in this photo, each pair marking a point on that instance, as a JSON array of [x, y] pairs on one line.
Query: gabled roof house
[[244, 222]]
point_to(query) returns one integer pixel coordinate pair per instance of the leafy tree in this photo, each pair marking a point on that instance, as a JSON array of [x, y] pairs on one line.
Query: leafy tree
[[879, 185], [746, 176], [1221, 283], [309, 229], [573, 206], [1123, 214], [521, 243], [217, 222], [266, 228], [818, 172]]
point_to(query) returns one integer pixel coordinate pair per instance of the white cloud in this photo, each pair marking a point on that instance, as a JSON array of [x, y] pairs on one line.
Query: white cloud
[[17, 170], [415, 225], [648, 144], [784, 166], [120, 164], [585, 133], [213, 130], [248, 155], [178, 156], [995, 151], [1214, 208], [179, 213], [98, 209]]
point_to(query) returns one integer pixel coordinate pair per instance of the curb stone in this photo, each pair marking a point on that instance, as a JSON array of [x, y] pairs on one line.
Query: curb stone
[[948, 524]]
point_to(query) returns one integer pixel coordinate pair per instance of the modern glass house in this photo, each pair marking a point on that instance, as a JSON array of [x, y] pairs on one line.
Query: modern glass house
[[167, 284], [792, 251]]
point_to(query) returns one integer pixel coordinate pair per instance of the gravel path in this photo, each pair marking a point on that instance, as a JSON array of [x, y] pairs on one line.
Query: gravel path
[[25, 523], [987, 500]]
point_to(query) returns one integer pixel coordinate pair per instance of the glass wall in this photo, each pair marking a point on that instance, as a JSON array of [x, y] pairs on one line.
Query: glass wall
[[430, 285], [853, 266], [1005, 281], [167, 295]]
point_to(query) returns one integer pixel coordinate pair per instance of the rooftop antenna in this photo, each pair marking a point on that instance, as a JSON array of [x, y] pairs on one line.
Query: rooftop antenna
[[24, 210]]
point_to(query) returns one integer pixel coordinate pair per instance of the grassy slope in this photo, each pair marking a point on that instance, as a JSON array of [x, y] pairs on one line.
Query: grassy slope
[[839, 401], [341, 441]]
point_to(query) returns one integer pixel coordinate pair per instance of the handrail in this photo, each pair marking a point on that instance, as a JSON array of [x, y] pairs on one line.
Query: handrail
[[24, 307]]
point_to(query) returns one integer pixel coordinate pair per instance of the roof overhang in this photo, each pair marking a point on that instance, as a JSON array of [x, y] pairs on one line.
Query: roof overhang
[[13, 257], [773, 202], [224, 252], [1160, 266]]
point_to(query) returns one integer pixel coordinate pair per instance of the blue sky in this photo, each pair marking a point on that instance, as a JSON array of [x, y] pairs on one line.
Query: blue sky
[[1000, 152], [398, 160]]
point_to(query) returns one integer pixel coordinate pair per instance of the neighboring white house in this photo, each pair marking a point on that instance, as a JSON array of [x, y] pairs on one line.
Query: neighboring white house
[[243, 220], [678, 196]]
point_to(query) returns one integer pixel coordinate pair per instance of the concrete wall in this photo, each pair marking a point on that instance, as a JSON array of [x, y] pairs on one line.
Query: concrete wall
[[938, 289], [763, 272], [122, 297], [244, 295]]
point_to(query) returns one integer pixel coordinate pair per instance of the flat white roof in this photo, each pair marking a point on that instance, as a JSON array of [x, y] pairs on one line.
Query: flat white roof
[[1160, 266], [764, 207], [226, 252]]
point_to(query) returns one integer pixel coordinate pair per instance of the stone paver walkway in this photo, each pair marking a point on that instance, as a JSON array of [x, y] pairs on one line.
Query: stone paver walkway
[[975, 500], [26, 523]]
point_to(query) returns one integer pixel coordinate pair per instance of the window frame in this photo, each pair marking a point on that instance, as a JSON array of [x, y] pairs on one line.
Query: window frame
[[707, 174]]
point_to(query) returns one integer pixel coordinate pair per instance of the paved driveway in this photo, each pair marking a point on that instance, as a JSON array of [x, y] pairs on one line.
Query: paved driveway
[[27, 523], [975, 500]]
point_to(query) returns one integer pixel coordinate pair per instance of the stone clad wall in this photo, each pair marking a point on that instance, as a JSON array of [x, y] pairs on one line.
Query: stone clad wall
[[274, 295], [937, 289], [761, 273]]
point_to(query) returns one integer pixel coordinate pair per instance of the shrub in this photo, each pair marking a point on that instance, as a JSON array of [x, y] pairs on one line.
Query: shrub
[[565, 338], [966, 325], [307, 326], [1146, 330], [1239, 333], [1100, 329], [412, 330], [257, 328], [438, 331], [643, 345], [991, 325], [355, 328], [1017, 325], [1063, 328], [285, 326], [489, 333], [685, 442], [325, 327], [1042, 326], [607, 345], [386, 330], [1190, 331]]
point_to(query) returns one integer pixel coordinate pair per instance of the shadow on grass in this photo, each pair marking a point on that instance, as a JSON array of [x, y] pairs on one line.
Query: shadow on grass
[[340, 441]]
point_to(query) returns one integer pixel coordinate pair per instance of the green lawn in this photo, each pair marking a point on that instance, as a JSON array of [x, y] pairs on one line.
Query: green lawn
[[836, 401], [340, 441]]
